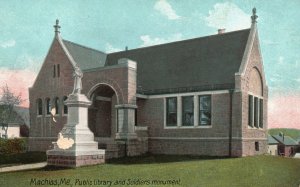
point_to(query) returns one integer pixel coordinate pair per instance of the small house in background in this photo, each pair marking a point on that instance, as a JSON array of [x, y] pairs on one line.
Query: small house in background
[[287, 146], [19, 117], [272, 145]]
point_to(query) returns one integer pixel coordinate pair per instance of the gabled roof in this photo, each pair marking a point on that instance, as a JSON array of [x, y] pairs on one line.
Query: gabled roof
[[24, 114], [19, 115], [271, 140], [85, 57], [286, 140], [205, 63]]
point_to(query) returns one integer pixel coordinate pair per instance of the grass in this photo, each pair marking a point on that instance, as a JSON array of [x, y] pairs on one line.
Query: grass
[[22, 158], [293, 133], [182, 170]]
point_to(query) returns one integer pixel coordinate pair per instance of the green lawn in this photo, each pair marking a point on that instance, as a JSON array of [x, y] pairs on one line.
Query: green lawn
[[182, 170], [293, 133]]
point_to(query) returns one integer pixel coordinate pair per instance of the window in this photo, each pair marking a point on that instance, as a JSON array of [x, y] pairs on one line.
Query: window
[[39, 107], [205, 110], [261, 107], [65, 106], [188, 111], [48, 106], [256, 105], [171, 111], [250, 117], [255, 116], [54, 70], [58, 70], [256, 146], [56, 105]]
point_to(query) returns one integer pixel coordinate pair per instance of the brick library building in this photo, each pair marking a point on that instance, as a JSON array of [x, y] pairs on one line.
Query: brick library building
[[201, 96]]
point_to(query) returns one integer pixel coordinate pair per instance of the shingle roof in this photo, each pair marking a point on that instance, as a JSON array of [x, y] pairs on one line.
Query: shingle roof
[[206, 63], [24, 114], [15, 117], [85, 57], [271, 140], [286, 140]]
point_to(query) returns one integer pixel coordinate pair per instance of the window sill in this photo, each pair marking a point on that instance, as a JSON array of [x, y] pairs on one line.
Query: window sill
[[189, 127], [255, 128], [39, 116]]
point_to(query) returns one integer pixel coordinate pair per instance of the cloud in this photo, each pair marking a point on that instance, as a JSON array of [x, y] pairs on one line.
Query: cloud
[[8, 43], [280, 60], [166, 9], [110, 49], [19, 80], [284, 110], [148, 41], [229, 16], [269, 42]]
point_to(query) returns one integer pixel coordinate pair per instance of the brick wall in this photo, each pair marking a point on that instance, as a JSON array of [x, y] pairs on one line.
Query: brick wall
[[47, 86], [198, 141], [253, 82]]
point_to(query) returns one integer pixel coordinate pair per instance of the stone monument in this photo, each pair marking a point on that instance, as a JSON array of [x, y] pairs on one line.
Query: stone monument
[[75, 145]]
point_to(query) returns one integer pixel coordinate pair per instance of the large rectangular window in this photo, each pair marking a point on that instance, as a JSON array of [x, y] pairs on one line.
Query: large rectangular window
[[171, 111], [250, 108], [188, 111], [205, 110]]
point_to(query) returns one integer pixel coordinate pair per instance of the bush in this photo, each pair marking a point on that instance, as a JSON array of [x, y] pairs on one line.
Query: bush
[[13, 146], [22, 158]]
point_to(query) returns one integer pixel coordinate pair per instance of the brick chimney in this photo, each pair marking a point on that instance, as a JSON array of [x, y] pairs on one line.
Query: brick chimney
[[221, 31]]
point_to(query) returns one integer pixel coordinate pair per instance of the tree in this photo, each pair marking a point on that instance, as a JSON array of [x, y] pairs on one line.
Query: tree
[[7, 103]]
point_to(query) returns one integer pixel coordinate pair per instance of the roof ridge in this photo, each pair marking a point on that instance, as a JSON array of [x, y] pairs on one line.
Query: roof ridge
[[186, 40], [80, 45]]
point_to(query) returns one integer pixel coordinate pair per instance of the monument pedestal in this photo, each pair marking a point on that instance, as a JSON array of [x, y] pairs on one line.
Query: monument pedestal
[[75, 145]]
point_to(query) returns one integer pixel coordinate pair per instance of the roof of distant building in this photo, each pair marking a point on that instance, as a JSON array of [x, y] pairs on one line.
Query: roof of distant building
[[271, 140], [286, 140]]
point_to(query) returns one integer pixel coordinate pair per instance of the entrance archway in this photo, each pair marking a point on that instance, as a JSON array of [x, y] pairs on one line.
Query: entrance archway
[[101, 114]]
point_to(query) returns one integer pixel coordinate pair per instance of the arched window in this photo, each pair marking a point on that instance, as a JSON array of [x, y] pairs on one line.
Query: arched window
[[39, 107], [65, 106], [56, 105], [48, 106]]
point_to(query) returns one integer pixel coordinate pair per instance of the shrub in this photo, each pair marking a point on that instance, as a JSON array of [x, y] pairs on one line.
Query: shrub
[[13, 146]]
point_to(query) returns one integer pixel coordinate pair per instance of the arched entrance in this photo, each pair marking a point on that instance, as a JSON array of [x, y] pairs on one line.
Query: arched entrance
[[101, 114]]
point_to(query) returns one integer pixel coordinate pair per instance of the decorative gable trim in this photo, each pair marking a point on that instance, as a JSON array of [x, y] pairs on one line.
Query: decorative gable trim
[[248, 49], [67, 53]]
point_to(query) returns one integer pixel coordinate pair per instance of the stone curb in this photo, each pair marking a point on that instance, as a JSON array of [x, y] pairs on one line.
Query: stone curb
[[23, 167]]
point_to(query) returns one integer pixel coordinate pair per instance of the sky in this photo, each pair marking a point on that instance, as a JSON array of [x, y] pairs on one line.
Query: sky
[[26, 33]]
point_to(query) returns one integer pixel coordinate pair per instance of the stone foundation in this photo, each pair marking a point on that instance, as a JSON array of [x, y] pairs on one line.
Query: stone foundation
[[75, 161], [189, 147]]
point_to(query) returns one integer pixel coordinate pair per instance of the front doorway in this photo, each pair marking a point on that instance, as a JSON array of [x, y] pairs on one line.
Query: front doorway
[[101, 114]]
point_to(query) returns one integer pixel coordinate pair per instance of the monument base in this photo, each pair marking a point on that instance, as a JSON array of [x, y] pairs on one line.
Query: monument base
[[70, 159]]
